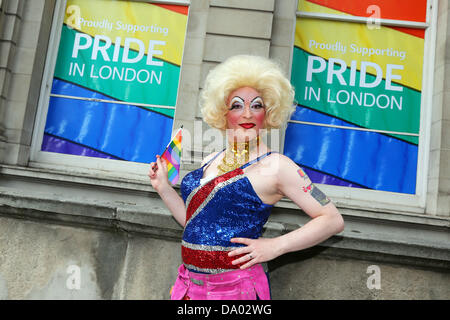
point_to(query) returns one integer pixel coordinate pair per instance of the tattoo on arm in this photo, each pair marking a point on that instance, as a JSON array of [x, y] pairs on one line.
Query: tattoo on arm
[[317, 194], [302, 174]]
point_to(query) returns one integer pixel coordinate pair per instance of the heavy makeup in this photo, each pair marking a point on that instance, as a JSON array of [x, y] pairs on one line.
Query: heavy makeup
[[246, 114]]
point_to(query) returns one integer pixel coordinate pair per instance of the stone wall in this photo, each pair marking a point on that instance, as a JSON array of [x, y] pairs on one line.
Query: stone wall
[[38, 260]]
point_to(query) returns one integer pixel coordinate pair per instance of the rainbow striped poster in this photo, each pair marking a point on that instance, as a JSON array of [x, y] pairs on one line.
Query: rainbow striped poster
[[116, 79], [355, 75]]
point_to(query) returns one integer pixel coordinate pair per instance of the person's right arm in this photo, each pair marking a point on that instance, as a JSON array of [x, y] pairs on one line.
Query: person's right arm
[[160, 182]]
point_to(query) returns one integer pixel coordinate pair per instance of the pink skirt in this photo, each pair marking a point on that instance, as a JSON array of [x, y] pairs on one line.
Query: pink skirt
[[248, 284]]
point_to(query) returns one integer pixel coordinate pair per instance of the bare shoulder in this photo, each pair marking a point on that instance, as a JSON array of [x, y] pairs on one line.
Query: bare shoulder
[[281, 163], [277, 165], [285, 160], [287, 165], [288, 172]]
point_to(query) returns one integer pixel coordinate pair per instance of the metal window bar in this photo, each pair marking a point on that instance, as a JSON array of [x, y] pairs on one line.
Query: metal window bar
[[356, 19], [110, 101], [175, 2], [354, 128]]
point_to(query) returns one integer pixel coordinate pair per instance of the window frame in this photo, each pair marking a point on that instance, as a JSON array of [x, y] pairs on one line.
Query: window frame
[[385, 200], [75, 163]]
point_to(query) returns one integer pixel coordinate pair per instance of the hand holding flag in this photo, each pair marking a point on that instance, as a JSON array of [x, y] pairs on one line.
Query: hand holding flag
[[172, 157]]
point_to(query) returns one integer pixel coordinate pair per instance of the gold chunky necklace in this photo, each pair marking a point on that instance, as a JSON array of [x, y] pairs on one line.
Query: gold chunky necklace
[[236, 156]]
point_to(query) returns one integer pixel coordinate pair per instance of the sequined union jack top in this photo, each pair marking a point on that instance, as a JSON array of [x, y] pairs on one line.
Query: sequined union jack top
[[225, 207]]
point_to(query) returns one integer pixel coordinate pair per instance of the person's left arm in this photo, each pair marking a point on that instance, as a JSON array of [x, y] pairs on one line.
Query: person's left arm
[[326, 219]]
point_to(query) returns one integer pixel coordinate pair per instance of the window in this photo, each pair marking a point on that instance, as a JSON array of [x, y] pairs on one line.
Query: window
[[360, 70], [110, 90]]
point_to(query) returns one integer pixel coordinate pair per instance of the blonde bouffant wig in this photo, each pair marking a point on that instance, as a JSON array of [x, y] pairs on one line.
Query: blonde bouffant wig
[[260, 73]]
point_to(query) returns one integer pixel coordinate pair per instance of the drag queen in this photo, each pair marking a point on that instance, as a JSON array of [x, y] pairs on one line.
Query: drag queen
[[225, 203]]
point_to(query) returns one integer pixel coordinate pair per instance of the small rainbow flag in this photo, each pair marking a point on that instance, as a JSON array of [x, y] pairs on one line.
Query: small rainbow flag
[[172, 155]]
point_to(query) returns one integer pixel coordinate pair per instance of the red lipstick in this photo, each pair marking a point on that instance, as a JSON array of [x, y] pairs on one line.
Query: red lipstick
[[247, 125]]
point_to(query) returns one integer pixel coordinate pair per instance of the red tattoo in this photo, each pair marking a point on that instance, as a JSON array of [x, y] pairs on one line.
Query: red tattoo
[[308, 188]]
